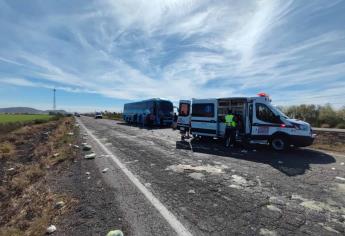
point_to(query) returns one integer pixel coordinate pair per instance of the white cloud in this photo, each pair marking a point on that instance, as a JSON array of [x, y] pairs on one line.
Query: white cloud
[[175, 49]]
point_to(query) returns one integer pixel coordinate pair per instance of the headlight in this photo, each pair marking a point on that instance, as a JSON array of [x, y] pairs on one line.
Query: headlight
[[300, 126]]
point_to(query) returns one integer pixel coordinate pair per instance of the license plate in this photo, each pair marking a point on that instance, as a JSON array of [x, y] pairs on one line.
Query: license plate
[[182, 128]]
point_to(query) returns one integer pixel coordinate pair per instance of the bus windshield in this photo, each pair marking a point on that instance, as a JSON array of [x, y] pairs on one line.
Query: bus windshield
[[166, 107]]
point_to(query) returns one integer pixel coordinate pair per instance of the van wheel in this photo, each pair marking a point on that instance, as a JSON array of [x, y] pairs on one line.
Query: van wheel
[[279, 143]]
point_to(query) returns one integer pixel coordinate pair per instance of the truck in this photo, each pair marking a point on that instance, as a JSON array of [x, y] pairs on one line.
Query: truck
[[151, 112], [259, 122]]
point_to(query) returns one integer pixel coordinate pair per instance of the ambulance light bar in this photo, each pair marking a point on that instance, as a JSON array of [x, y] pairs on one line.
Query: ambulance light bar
[[263, 95]]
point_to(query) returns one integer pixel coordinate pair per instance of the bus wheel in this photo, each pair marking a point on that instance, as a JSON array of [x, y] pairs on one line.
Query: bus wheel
[[279, 143]]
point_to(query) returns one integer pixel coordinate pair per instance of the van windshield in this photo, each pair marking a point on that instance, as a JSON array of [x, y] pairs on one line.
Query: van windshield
[[184, 109], [279, 112]]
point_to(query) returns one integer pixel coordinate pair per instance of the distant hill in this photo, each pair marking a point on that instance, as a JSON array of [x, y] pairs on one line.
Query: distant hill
[[27, 110]]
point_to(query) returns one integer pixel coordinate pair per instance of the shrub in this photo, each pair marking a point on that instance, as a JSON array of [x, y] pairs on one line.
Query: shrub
[[341, 126]]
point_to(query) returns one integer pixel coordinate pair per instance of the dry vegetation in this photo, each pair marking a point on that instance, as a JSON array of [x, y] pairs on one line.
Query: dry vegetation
[[330, 141], [27, 205]]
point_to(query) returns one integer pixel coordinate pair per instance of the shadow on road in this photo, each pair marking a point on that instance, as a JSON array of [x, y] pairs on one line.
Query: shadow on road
[[293, 162], [143, 127]]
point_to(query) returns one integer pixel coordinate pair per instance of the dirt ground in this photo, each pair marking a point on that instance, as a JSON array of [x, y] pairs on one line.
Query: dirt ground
[[40, 167], [330, 141], [27, 156]]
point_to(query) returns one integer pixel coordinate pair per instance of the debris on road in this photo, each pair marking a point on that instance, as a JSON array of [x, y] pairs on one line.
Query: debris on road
[[274, 208], [115, 233], [191, 191], [105, 170], [196, 175], [86, 147], [266, 232], [10, 169], [56, 154], [51, 229], [340, 178], [90, 156], [239, 180], [59, 205], [208, 168]]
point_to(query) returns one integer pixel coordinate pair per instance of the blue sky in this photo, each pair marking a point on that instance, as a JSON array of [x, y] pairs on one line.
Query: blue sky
[[100, 54]]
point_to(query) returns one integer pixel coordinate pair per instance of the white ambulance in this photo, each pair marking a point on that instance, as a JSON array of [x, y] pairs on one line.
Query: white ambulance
[[258, 121]]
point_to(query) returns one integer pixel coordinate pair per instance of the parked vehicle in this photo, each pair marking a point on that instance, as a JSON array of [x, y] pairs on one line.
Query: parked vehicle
[[149, 112], [258, 121], [98, 115], [76, 114]]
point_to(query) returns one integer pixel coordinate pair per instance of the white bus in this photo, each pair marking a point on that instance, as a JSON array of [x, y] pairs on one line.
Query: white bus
[[258, 121]]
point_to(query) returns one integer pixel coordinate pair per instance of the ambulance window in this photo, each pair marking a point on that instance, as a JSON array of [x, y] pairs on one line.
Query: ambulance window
[[203, 110], [265, 114], [184, 109], [251, 113]]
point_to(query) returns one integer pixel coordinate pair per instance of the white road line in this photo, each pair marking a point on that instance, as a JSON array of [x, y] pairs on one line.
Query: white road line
[[168, 216]]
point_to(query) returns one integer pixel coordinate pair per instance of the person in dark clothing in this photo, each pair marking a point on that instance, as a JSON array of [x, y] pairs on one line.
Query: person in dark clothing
[[230, 129]]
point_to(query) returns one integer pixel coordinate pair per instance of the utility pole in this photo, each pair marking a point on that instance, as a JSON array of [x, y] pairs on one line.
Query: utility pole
[[54, 100]]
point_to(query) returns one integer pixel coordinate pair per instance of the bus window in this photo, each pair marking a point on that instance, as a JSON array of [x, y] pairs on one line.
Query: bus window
[[203, 110]]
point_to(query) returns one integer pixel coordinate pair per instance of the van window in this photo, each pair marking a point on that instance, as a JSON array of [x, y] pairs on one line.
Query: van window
[[203, 110], [184, 109], [265, 114]]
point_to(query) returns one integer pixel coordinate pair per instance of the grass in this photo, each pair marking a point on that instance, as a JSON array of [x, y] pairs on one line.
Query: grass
[[27, 202], [7, 118], [9, 122]]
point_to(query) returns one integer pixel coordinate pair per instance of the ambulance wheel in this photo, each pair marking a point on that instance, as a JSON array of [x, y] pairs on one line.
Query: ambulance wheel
[[279, 143]]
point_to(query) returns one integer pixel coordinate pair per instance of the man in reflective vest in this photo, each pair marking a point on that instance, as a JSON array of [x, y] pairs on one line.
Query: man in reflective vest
[[230, 130]]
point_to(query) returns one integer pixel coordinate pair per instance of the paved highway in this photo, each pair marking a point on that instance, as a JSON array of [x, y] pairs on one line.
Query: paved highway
[[168, 187]]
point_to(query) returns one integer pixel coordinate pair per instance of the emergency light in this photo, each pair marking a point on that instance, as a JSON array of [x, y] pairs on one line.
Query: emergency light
[[263, 95]]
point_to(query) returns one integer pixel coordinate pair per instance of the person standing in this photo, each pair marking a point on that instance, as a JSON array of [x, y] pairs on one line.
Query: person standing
[[230, 129]]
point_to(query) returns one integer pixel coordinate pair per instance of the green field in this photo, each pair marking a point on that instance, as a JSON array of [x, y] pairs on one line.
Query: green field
[[5, 118]]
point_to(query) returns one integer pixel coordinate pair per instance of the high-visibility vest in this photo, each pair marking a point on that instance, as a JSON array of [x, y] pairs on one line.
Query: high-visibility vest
[[229, 121]]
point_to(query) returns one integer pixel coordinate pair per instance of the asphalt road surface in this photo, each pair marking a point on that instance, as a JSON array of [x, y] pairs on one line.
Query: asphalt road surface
[[199, 187]]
